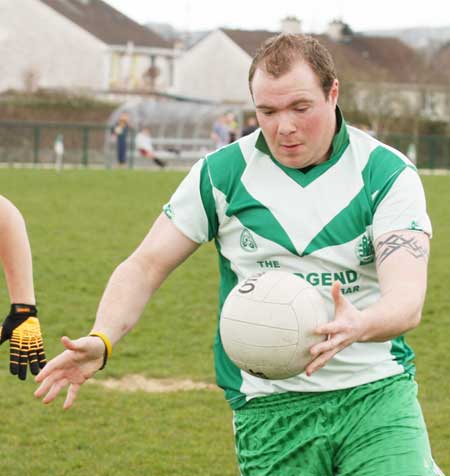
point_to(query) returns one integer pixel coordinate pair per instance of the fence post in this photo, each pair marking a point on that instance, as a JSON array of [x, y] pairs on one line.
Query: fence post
[[131, 151], [447, 153], [85, 146], [37, 143], [433, 152]]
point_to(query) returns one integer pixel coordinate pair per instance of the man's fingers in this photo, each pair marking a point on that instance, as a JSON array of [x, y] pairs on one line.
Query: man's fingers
[[78, 345], [72, 367], [341, 303], [51, 387], [54, 391], [47, 383], [336, 293], [332, 327], [44, 373], [320, 361], [71, 395], [55, 367], [333, 342], [68, 343], [59, 362]]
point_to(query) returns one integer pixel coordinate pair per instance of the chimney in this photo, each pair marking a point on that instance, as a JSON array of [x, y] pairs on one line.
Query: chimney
[[339, 31], [291, 24]]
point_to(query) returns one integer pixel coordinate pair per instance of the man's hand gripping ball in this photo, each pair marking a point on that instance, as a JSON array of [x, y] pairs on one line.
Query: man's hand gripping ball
[[21, 327]]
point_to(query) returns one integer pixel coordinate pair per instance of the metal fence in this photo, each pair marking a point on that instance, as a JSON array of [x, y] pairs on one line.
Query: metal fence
[[28, 143], [430, 152]]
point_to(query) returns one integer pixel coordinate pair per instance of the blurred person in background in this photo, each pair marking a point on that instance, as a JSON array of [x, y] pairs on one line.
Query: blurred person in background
[[220, 133], [251, 124], [144, 145], [119, 131], [58, 149], [232, 126]]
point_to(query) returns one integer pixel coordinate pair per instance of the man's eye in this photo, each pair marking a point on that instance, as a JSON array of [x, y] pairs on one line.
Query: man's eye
[[301, 109], [267, 113]]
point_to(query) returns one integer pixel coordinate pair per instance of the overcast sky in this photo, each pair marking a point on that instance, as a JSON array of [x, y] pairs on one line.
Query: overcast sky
[[266, 14]]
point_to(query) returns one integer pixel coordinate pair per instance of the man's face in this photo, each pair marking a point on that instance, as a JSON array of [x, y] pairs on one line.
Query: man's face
[[297, 120]]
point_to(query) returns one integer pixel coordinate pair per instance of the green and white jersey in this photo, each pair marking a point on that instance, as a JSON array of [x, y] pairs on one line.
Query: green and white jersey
[[320, 224]]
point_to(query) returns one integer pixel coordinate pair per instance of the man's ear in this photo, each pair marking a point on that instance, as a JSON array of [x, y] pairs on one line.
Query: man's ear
[[334, 92]]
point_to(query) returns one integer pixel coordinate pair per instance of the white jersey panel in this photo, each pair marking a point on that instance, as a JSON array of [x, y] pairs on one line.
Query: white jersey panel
[[247, 144], [251, 263], [403, 208], [262, 178], [351, 367], [361, 145], [185, 208]]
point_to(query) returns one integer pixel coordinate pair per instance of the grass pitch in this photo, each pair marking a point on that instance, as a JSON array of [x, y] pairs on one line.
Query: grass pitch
[[82, 223]]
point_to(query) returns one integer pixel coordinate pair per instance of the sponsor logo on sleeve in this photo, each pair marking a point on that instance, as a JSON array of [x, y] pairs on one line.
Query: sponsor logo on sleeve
[[365, 251], [415, 226], [167, 209]]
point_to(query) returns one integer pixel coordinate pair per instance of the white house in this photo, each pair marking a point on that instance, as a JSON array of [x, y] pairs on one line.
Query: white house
[[79, 45], [216, 68]]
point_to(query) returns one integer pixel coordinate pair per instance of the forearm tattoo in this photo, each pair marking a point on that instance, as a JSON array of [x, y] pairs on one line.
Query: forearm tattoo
[[397, 242]]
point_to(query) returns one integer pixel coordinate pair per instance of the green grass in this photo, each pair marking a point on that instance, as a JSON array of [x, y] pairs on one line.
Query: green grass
[[81, 225]]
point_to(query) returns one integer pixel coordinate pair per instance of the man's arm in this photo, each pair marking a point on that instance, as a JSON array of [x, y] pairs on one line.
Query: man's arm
[[136, 279], [402, 259], [131, 285]]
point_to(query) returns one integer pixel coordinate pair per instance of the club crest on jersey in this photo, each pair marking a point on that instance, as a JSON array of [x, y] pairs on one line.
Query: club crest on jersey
[[415, 226], [168, 211], [247, 241], [365, 250]]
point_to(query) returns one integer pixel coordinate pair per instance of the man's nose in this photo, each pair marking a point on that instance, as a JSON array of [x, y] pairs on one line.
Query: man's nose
[[286, 125]]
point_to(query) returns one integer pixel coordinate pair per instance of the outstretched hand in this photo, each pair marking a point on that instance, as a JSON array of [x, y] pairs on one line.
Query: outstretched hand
[[345, 329], [81, 359]]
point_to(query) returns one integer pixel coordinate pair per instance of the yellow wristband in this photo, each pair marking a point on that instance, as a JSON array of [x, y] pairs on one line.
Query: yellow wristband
[[108, 346]]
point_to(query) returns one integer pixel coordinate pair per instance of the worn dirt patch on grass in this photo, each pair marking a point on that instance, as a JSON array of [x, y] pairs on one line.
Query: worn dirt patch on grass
[[135, 382]]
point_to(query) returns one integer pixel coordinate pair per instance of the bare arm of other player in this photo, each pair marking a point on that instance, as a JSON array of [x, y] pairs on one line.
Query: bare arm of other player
[[402, 259], [21, 326], [15, 254], [131, 285]]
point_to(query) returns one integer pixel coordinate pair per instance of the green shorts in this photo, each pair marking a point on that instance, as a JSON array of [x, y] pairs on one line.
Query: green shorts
[[376, 429]]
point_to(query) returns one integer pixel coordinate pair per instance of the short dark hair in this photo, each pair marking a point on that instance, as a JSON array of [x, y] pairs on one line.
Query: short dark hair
[[278, 54]]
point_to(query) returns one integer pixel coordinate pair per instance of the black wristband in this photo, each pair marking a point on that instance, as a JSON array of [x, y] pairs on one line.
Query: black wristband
[[18, 309]]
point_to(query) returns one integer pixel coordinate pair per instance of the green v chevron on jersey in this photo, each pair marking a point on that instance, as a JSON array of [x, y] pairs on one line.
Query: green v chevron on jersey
[[321, 224]]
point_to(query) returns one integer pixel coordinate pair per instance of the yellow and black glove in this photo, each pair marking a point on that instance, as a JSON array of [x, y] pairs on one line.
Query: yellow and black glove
[[26, 346]]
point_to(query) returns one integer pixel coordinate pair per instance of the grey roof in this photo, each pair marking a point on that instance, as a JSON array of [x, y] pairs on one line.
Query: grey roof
[[360, 58], [106, 23], [249, 40]]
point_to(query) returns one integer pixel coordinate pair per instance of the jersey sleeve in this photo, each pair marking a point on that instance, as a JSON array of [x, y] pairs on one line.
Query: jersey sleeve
[[403, 207], [192, 208]]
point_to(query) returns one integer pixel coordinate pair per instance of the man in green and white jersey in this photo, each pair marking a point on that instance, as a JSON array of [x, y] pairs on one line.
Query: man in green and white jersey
[[307, 194]]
